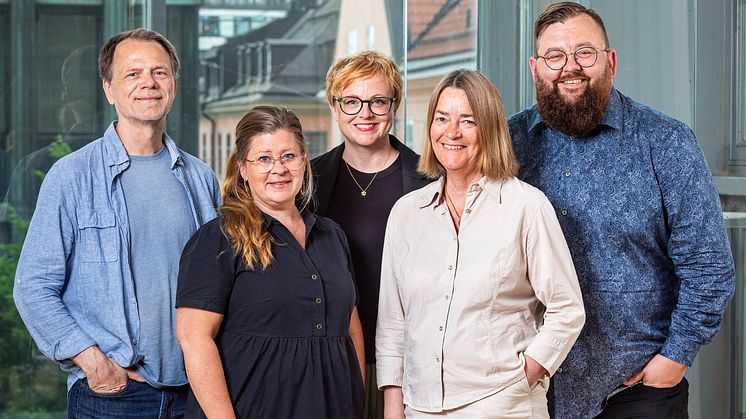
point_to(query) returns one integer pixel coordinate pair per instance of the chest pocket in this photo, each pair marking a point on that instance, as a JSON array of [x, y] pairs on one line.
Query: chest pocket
[[98, 236]]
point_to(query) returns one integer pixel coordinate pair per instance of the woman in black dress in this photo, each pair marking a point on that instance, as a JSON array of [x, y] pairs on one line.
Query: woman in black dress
[[266, 303]]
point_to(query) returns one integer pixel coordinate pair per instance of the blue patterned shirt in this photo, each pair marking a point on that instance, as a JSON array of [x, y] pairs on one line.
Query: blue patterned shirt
[[642, 218]]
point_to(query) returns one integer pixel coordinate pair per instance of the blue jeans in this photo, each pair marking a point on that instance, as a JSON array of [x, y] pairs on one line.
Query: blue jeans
[[135, 400]]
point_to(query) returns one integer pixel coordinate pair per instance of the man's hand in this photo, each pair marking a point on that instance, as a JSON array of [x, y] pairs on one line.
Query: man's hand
[[660, 372], [534, 370], [103, 374]]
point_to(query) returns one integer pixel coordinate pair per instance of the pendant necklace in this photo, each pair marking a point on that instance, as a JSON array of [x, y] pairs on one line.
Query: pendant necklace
[[364, 191]]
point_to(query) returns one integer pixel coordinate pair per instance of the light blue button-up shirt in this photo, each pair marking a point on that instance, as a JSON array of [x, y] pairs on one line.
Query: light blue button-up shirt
[[74, 286]]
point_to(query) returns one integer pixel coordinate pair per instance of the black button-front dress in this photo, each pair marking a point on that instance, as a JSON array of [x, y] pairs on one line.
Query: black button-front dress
[[284, 341]]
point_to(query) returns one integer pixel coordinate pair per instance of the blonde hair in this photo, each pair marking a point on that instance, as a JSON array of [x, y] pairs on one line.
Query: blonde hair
[[243, 223], [363, 65], [495, 158]]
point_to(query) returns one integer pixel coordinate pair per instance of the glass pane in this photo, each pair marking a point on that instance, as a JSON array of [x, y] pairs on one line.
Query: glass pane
[[441, 37]]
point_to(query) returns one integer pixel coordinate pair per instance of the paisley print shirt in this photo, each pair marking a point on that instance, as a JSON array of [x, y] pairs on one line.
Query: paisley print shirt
[[636, 202]]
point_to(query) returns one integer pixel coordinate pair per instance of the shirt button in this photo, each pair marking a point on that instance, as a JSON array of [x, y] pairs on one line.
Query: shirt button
[[440, 328], [559, 369], [468, 210], [318, 301], [319, 326], [314, 277], [450, 267], [568, 174], [134, 341], [133, 301], [437, 359], [563, 212], [446, 297]]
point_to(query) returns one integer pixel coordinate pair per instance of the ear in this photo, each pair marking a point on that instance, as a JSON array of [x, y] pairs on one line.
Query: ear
[[243, 170], [532, 65], [334, 110], [612, 61], [107, 91]]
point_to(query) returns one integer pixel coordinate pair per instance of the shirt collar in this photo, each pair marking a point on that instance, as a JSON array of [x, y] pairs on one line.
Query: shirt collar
[[117, 154], [435, 197], [309, 219], [612, 116]]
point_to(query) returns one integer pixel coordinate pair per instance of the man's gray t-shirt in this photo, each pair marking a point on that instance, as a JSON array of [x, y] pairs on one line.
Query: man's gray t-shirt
[[160, 222]]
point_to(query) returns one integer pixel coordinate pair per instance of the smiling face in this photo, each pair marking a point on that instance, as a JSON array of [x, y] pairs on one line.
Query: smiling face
[[277, 189], [572, 80], [142, 86], [365, 129], [454, 135], [573, 99]]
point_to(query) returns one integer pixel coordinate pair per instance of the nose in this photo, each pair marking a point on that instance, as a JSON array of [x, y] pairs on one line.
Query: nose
[[278, 167], [147, 79], [365, 112], [572, 64], [452, 130]]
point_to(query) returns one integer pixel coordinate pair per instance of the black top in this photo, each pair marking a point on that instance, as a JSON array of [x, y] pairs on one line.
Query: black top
[[348, 208], [330, 170], [284, 341]]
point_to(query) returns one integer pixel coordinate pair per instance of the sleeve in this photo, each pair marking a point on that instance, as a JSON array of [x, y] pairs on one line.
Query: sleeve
[[42, 273], [697, 244], [206, 270], [552, 275], [390, 325]]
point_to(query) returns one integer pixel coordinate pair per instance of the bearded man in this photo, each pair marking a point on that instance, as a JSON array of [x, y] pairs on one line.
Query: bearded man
[[641, 216]]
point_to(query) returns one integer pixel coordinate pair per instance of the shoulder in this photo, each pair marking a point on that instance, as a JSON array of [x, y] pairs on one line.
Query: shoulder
[[641, 117], [516, 192], [193, 163], [328, 161], [522, 120], [209, 236], [416, 199], [80, 161]]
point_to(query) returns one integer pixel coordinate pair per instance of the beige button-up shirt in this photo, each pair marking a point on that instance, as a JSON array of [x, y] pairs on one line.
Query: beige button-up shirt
[[457, 312]]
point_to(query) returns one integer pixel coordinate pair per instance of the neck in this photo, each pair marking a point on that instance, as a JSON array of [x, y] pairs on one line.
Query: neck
[[369, 159], [141, 139], [458, 183], [287, 215]]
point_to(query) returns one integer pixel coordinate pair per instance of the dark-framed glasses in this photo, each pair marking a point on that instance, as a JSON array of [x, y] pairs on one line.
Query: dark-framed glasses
[[352, 105], [291, 160], [585, 57]]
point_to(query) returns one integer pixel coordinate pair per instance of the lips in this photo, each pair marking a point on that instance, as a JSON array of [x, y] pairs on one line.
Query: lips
[[453, 146], [365, 127]]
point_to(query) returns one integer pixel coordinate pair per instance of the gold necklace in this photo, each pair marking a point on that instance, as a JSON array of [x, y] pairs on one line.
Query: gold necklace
[[364, 191], [450, 201]]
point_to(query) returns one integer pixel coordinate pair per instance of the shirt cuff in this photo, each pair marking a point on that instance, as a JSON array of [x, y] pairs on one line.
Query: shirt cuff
[[389, 371], [548, 351], [71, 345], [680, 349]]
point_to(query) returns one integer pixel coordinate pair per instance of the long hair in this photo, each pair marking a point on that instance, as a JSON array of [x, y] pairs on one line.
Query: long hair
[[495, 159], [243, 223]]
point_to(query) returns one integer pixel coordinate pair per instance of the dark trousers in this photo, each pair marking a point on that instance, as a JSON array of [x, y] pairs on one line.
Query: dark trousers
[[135, 400], [640, 401]]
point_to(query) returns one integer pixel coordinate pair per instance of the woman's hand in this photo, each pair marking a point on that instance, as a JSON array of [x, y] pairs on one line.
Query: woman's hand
[[393, 403], [534, 370]]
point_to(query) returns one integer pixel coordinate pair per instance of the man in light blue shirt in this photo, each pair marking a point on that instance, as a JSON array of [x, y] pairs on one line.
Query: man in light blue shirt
[[96, 279]]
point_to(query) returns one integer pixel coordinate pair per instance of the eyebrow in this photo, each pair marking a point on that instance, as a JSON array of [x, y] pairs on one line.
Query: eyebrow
[[463, 115]]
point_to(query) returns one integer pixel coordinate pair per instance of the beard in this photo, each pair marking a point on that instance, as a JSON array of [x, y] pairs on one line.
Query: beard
[[577, 117]]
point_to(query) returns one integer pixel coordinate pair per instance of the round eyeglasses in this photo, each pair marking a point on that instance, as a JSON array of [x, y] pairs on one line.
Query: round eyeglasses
[[291, 160], [585, 57], [352, 105]]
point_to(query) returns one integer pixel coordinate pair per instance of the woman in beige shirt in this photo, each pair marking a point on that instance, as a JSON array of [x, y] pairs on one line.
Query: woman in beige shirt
[[479, 300]]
